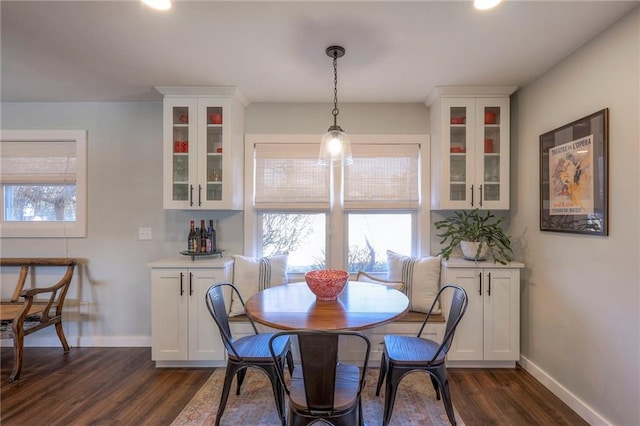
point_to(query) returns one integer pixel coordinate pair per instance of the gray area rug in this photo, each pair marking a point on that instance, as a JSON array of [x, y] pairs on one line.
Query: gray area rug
[[415, 404]]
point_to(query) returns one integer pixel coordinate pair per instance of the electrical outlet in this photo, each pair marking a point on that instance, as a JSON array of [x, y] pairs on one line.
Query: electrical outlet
[[144, 233]]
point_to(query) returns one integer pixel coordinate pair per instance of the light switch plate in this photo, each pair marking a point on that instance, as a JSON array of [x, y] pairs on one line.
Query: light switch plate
[[144, 233]]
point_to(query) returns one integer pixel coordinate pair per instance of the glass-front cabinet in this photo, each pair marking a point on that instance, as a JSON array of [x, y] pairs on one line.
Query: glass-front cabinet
[[470, 152], [203, 149]]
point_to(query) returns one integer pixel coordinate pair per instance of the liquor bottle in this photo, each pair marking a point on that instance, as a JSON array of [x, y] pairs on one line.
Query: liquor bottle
[[203, 237], [209, 242], [191, 238], [196, 241], [212, 236]]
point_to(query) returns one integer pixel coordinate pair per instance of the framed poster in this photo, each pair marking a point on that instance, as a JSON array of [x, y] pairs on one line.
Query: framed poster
[[573, 176]]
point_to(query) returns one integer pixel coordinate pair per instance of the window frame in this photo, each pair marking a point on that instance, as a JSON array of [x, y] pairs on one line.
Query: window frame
[[51, 229], [337, 216]]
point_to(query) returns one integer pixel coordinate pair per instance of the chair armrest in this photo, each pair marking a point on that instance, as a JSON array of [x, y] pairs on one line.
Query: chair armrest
[[58, 291]]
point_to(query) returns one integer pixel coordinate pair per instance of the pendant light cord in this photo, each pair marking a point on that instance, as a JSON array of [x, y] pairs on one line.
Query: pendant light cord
[[335, 111]]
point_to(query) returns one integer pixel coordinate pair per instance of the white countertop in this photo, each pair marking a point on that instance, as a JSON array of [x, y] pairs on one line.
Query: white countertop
[[458, 262], [186, 262]]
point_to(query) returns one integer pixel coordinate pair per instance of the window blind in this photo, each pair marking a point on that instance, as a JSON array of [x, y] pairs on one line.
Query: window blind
[[383, 177], [287, 177], [38, 162]]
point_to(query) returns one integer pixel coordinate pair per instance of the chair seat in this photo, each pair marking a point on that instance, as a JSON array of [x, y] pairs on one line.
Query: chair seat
[[256, 347], [408, 350], [345, 391]]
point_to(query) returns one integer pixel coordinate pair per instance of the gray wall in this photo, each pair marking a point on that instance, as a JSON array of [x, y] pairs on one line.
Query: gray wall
[[580, 294]]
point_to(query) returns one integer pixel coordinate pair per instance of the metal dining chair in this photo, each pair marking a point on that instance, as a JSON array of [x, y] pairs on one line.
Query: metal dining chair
[[322, 390], [403, 355], [248, 351]]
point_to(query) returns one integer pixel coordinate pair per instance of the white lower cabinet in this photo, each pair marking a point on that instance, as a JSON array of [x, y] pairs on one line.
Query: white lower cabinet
[[489, 333], [183, 333]]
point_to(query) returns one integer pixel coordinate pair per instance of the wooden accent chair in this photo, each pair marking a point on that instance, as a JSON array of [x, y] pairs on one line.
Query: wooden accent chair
[[323, 390], [20, 318], [403, 355], [247, 351]]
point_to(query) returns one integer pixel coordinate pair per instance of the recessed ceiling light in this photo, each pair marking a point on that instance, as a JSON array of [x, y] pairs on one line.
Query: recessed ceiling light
[[158, 4], [485, 4]]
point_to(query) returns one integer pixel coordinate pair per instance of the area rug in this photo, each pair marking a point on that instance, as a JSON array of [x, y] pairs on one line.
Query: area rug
[[415, 404]]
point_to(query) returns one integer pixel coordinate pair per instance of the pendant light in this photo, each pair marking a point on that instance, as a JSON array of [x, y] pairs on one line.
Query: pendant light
[[335, 148]]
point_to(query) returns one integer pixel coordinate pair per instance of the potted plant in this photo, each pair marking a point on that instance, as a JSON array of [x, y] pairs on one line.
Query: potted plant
[[483, 231]]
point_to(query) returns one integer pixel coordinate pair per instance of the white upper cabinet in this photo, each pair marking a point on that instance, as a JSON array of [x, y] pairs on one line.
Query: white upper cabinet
[[203, 148], [470, 148]]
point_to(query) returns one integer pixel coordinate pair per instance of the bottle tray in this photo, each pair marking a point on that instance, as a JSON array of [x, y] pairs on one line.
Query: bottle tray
[[209, 253]]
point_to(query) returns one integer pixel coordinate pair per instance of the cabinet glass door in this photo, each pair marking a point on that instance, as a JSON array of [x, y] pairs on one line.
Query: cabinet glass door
[[458, 158], [180, 153], [214, 153], [491, 153]]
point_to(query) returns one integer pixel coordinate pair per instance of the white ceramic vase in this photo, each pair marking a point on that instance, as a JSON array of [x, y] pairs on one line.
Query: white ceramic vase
[[470, 249]]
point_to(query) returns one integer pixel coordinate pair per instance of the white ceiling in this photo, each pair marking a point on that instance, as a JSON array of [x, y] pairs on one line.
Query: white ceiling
[[275, 51]]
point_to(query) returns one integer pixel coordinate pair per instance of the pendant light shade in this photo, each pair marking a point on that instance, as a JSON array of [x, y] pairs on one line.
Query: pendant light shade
[[335, 148]]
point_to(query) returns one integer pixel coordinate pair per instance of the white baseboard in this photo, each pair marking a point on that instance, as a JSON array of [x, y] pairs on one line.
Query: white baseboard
[[575, 403], [35, 341]]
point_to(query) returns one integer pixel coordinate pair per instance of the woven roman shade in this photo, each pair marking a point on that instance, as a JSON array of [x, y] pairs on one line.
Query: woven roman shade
[[38, 162], [288, 177], [383, 177]]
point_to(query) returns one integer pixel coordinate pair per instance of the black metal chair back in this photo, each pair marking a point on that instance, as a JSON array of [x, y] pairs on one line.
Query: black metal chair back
[[218, 310], [322, 376], [457, 309]]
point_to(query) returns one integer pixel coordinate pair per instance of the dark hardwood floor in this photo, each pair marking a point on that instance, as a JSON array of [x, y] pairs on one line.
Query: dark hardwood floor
[[121, 386]]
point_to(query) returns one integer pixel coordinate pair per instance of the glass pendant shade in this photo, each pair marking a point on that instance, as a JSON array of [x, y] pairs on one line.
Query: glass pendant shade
[[335, 148]]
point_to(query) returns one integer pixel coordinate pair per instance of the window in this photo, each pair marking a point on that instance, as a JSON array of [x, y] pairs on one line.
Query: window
[[43, 175], [332, 217], [372, 234]]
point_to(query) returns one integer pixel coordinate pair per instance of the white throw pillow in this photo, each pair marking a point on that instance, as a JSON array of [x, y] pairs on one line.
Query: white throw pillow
[[421, 277], [251, 275], [364, 277]]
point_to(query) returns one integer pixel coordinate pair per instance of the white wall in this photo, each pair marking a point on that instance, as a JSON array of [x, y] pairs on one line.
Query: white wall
[[125, 193], [580, 294]]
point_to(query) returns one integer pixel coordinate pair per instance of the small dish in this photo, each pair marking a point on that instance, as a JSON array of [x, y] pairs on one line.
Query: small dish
[[458, 120]]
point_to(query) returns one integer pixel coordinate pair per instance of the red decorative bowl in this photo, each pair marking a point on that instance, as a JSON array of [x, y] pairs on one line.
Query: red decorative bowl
[[326, 284]]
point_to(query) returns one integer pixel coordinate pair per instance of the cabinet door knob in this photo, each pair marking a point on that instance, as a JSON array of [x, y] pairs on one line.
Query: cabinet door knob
[[191, 195], [480, 195], [199, 195], [480, 283], [181, 289], [489, 284]]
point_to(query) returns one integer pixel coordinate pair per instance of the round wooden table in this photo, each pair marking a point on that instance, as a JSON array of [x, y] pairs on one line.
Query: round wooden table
[[360, 305]]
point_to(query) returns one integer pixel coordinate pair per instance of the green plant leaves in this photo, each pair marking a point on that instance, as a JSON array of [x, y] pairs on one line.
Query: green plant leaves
[[471, 225]]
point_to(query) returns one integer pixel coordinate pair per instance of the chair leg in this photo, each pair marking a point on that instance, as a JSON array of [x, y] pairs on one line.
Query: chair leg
[[383, 372], [61, 336], [436, 386], [278, 392], [226, 387], [18, 349], [394, 376], [290, 361], [442, 378], [241, 373]]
